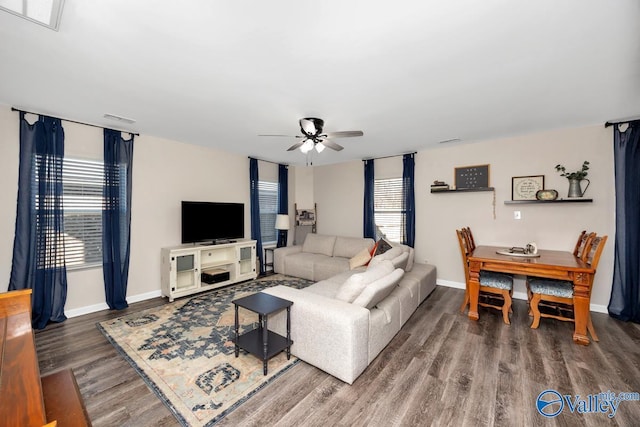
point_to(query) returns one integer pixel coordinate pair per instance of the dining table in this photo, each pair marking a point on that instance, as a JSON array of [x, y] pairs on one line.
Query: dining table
[[561, 265]]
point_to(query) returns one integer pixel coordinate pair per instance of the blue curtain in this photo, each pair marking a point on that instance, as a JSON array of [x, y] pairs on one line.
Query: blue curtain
[[624, 303], [116, 217], [283, 189], [408, 200], [369, 229], [38, 248], [254, 197]]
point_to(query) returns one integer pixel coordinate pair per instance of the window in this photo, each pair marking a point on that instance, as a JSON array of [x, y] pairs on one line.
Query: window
[[83, 182], [268, 197], [387, 208], [83, 203]]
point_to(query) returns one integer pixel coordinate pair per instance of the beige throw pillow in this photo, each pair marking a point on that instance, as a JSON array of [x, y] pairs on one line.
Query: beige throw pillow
[[354, 285], [360, 259]]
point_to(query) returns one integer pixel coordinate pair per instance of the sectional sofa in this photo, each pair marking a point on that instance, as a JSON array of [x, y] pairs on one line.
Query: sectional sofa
[[342, 322]]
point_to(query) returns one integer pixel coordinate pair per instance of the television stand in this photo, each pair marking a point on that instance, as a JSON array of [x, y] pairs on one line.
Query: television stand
[[222, 264]]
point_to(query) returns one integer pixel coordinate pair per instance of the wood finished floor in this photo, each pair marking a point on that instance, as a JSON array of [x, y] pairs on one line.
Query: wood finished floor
[[441, 369]]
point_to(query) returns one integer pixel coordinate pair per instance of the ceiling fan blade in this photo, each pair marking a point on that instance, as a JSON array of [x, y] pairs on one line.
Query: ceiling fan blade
[[288, 136], [296, 145], [345, 134], [332, 145]]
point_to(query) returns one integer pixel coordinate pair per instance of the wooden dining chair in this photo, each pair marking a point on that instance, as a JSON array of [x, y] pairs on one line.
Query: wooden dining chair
[[495, 284], [581, 244], [471, 246], [471, 243], [558, 294], [584, 240]]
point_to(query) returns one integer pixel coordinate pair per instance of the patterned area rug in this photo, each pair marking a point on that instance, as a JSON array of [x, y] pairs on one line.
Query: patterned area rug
[[185, 352]]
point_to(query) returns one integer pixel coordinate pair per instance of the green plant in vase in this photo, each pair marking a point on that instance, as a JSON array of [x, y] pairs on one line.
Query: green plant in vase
[[575, 178]]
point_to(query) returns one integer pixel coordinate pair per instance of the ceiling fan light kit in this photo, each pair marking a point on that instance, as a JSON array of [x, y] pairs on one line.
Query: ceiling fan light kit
[[312, 136]]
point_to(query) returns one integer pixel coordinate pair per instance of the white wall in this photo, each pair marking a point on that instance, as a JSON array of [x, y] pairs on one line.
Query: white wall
[[164, 173], [302, 179], [338, 192]]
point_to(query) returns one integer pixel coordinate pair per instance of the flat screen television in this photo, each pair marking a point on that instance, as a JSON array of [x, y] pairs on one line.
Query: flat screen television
[[212, 222]]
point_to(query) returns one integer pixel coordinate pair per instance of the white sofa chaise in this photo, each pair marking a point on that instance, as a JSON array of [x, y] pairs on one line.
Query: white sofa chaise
[[343, 337]]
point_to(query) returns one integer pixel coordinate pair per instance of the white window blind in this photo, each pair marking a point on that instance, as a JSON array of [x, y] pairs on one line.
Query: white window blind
[[83, 182], [268, 198], [387, 196]]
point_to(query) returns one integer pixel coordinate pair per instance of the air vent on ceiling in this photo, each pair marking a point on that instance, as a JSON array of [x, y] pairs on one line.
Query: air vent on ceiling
[[449, 140], [119, 118]]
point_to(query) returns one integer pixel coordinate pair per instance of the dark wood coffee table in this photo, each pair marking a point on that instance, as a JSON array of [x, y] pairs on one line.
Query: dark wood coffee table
[[261, 342]]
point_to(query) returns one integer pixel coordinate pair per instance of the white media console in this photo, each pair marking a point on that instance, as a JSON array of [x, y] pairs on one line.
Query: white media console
[[191, 268]]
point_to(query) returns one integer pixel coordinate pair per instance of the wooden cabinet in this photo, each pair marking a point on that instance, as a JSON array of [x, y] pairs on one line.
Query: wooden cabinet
[[188, 269]]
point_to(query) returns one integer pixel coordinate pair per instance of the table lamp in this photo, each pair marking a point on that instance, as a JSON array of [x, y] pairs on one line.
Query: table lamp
[[282, 225]]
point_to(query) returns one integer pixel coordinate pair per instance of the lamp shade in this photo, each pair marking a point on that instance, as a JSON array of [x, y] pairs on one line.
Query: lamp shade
[[282, 222]]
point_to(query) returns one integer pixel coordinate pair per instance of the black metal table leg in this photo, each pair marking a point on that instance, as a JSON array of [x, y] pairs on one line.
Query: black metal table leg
[[265, 345], [288, 333], [237, 326]]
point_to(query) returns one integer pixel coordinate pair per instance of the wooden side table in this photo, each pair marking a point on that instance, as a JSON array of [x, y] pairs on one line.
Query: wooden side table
[[261, 342]]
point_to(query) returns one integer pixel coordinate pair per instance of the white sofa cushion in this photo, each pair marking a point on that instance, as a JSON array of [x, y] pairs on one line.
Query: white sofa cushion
[[348, 247], [388, 255], [401, 260], [360, 259], [328, 266], [379, 290], [355, 285], [410, 259], [319, 244]]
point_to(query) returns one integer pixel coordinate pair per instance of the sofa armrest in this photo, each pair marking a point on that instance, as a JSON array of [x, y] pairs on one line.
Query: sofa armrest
[[280, 254], [330, 334]]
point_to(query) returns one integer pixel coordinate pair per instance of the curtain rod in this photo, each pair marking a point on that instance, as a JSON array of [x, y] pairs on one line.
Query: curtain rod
[[74, 121], [388, 157], [621, 121], [268, 161]]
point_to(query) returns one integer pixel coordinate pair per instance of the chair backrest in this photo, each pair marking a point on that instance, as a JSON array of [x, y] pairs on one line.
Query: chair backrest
[[471, 243], [594, 250], [579, 243], [582, 243], [464, 252]]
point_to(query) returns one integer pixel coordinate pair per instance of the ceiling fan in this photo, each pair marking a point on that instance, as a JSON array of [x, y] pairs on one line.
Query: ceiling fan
[[313, 137]]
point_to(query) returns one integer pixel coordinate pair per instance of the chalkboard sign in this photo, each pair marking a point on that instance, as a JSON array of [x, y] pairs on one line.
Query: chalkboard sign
[[472, 177]]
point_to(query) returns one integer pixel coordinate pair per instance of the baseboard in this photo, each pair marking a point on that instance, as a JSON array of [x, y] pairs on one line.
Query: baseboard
[[597, 308], [75, 312]]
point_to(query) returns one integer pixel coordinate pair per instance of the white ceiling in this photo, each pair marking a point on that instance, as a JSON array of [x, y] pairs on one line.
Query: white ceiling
[[407, 73]]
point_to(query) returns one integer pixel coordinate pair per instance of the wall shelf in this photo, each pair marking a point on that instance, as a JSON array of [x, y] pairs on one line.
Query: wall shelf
[[520, 202], [464, 190]]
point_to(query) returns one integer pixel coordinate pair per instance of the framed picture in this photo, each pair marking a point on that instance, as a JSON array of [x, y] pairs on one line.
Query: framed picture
[[526, 187], [472, 177]]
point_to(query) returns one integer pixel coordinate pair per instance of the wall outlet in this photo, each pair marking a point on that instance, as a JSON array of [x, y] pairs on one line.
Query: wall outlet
[[517, 215]]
